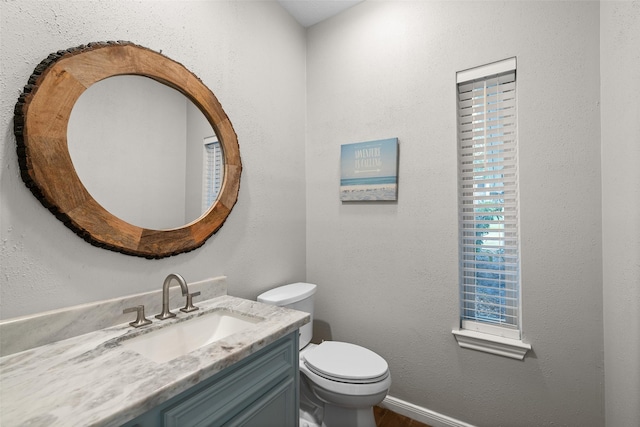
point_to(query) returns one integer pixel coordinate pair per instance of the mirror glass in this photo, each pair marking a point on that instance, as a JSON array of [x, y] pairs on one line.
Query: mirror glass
[[145, 152]]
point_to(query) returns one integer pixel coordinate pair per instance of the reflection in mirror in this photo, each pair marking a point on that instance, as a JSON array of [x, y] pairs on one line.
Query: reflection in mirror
[[164, 152]]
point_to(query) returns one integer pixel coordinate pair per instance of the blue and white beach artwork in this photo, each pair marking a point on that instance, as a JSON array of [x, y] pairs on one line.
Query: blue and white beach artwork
[[369, 170]]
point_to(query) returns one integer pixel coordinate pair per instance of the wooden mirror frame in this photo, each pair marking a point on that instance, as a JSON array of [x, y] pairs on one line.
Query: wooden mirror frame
[[40, 126]]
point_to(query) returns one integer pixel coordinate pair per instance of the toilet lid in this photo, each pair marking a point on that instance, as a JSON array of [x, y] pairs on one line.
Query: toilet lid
[[341, 361]]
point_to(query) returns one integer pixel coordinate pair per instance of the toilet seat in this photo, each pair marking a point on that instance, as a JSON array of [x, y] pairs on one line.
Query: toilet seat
[[346, 363]]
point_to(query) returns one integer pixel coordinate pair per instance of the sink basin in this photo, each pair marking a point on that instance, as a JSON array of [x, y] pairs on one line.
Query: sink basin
[[184, 337]]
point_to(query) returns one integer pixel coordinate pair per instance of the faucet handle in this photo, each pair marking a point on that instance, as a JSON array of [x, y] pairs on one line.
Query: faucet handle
[[189, 307], [140, 319]]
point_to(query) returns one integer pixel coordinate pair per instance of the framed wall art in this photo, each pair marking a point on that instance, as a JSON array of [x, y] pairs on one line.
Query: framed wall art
[[369, 171]]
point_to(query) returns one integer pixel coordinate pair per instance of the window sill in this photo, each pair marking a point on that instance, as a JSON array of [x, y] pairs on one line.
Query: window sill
[[493, 344]]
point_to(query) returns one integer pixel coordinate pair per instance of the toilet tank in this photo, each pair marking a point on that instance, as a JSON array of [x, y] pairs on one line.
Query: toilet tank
[[298, 296]]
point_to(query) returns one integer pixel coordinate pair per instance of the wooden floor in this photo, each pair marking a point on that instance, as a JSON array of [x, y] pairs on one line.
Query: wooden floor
[[386, 418]]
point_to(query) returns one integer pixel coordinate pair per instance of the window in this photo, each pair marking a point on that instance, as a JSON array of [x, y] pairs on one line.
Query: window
[[488, 200], [211, 172]]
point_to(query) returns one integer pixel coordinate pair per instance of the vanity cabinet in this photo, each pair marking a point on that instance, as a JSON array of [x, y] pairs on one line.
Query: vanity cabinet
[[260, 390]]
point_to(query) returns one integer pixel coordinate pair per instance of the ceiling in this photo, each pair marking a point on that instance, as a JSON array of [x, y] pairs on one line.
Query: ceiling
[[310, 12]]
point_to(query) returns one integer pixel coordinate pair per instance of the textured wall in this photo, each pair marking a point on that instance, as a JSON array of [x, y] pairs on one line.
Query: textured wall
[[620, 74], [252, 56], [387, 272]]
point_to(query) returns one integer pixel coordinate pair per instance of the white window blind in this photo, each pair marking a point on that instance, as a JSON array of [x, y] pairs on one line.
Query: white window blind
[[211, 172], [488, 200]]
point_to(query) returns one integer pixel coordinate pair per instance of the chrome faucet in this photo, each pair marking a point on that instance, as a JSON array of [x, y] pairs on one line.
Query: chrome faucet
[[166, 313]]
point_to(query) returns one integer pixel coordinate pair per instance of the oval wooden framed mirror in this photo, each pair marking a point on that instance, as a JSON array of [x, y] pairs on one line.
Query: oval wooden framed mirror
[[40, 126]]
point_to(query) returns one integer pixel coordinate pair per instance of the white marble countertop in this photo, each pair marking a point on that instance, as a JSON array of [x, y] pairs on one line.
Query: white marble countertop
[[92, 380]]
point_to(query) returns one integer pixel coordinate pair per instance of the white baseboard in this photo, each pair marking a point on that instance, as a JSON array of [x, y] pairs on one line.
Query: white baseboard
[[421, 414]]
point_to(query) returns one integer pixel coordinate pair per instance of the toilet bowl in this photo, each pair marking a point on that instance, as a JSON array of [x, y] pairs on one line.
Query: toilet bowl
[[339, 382]]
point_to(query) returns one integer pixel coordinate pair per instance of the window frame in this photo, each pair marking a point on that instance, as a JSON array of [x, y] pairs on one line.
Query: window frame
[[495, 333]]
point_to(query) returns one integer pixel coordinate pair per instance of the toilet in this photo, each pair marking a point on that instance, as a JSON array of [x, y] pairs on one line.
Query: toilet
[[339, 382]]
